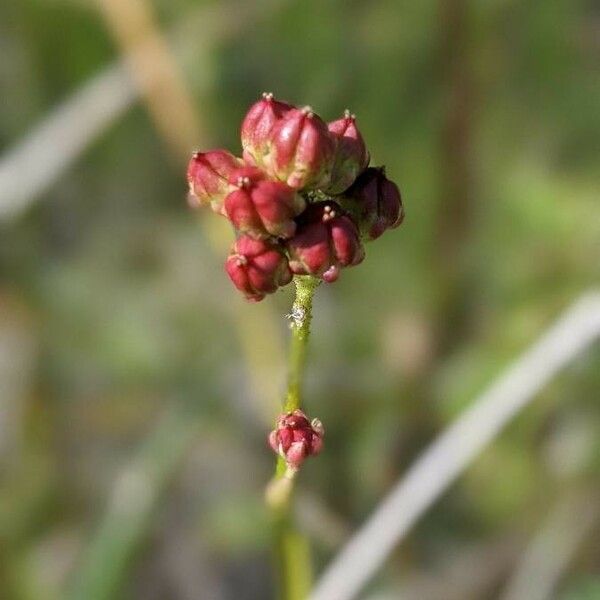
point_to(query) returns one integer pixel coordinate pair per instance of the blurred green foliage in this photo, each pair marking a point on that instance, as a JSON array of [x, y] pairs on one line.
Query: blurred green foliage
[[114, 311]]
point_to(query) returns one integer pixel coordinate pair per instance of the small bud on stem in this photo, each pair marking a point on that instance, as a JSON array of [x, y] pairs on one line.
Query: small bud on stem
[[295, 438]]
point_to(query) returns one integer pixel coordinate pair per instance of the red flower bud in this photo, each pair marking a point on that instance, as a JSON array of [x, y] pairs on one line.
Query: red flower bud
[[326, 240], [262, 208], [257, 126], [375, 202], [257, 267], [208, 177], [295, 437], [302, 150], [351, 156]]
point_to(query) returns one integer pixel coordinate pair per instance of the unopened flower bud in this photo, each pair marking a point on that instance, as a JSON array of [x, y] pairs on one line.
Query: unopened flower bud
[[326, 240], [375, 202], [257, 267], [208, 177], [351, 156], [260, 207], [295, 438], [301, 150], [258, 125]]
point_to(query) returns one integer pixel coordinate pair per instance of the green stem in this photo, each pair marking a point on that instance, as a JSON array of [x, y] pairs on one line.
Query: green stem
[[301, 319], [291, 547]]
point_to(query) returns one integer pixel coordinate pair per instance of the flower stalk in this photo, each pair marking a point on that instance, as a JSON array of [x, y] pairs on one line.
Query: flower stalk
[[301, 317], [292, 553], [279, 489]]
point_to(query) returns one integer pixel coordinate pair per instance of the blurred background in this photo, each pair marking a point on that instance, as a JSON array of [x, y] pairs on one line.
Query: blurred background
[[136, 386]]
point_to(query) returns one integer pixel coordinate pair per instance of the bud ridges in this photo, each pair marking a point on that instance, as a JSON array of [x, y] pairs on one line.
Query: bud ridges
[[257, 267], [351, 156], [302, 150], [326, 241], [208, 177], [258, 125], [375, 202], [260, 207]]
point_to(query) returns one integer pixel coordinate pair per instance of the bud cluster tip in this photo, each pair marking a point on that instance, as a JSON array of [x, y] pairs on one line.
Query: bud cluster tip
[[302, 199]]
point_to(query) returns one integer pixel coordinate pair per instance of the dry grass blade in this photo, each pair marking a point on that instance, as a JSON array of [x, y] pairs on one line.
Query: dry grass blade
[[69, 129], [57, 142], [155, 72], [572, 520], [456, 448], [170, 104]]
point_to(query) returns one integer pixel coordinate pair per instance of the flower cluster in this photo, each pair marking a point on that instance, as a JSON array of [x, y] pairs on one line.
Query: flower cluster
[[302, 200]]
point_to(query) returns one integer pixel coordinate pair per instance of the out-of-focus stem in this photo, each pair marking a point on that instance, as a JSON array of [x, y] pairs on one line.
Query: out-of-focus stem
[[155, 72], [292, 554], [454, 221]]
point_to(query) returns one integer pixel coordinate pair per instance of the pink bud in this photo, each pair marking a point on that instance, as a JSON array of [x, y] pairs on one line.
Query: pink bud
[[351, 156], [375, 201], [302, 150], [326, 240], [257, 267], [295, 437], [208, 177], [257, 126], [262, 208]]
